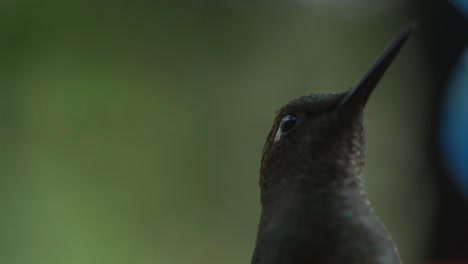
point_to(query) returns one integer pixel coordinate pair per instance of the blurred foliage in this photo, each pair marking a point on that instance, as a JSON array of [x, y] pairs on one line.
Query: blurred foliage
[[131, 131]]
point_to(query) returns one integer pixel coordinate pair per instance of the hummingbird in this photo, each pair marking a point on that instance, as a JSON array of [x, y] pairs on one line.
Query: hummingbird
[[314, 207]]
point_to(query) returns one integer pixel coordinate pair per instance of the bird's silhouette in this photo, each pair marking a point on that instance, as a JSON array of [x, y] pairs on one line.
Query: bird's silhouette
[[314, 208]]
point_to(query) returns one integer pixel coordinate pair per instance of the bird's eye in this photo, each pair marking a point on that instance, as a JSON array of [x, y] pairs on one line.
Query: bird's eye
[[287, 124]]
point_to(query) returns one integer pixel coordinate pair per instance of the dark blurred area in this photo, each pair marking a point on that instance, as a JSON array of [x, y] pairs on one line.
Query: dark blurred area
[[131, 131], [445, 38]]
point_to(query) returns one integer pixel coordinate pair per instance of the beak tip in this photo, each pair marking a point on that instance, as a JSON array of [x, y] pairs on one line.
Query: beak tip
[[362, 90], [412, 25]]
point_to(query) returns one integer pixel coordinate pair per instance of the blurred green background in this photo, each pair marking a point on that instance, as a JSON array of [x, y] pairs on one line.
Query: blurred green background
[[131, 131]]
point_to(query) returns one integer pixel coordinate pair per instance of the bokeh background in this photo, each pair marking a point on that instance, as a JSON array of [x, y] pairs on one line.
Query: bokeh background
[[131, 131]]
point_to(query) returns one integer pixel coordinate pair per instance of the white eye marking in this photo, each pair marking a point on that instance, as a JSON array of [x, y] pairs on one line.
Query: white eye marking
[[287, 123]]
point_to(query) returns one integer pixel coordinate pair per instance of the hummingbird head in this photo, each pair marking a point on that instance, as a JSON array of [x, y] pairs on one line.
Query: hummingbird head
[[317, 141], [314, 143]]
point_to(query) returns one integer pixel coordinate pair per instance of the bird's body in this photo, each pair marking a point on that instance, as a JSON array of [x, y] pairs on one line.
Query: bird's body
[[325, 233], [314, 208]]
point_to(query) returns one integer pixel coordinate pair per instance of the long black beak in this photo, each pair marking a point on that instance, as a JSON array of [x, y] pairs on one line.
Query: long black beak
[[362, 90]]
